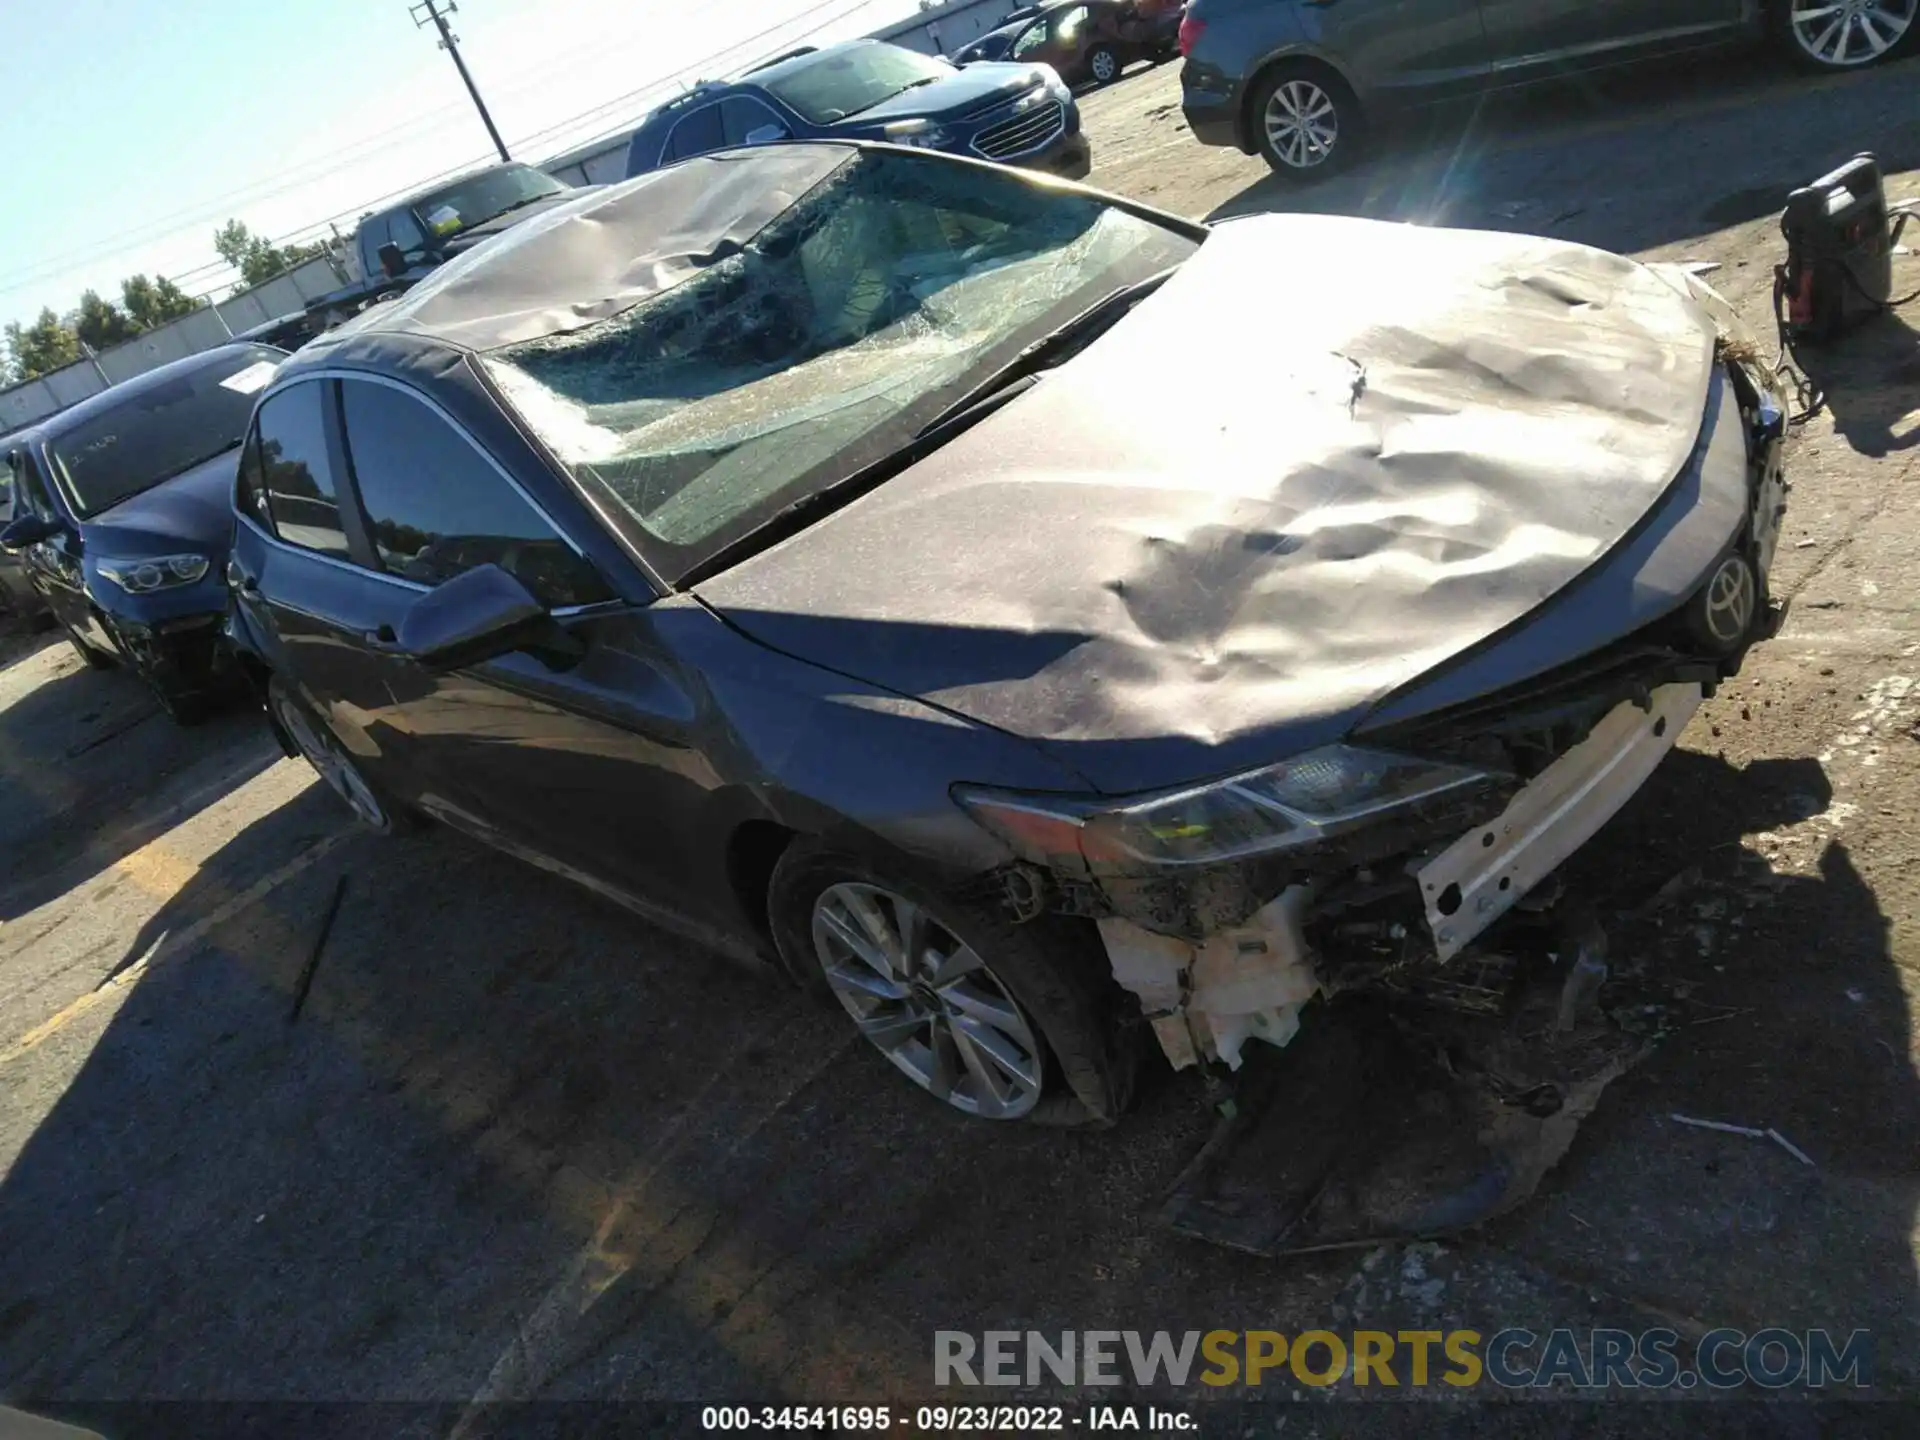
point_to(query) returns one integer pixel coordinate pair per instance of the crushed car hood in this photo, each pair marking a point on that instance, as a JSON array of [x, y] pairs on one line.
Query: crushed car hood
[[1326, 457]]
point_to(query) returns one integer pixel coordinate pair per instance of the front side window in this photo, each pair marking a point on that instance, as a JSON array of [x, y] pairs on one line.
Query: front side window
[[160, 428], [296, 479], [480, 198], [1030, 40], [436, 507], [403, 230], [822, 344], [837, 83]]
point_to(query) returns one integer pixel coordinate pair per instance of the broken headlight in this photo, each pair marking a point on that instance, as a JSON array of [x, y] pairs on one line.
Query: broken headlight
[[1296, 803]]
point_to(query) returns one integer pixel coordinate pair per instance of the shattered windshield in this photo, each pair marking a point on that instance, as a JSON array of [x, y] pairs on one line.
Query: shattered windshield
[[161, 429], [822, 345], [840, 83]]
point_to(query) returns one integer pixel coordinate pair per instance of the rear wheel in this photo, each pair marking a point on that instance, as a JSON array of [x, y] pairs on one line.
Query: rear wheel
[[997, 1020], [1304, 122], [1844, 34], [1103, 64], [317, 744]]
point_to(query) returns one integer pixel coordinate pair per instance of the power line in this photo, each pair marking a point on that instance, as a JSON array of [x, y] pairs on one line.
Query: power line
[[126, 242]]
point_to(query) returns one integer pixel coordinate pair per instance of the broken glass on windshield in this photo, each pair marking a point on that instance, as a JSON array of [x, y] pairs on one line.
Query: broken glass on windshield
[[824, 341]]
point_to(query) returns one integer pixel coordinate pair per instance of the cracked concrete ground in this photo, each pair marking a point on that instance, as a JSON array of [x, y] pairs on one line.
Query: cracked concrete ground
[[520, 1145]]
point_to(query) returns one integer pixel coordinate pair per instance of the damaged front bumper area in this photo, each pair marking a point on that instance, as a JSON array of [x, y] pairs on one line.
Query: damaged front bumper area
[[1393, 856]]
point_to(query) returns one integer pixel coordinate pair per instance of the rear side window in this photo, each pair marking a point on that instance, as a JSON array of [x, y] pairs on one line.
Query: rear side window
[[373, 234], [296, 477], [435, 506], [698, 132]]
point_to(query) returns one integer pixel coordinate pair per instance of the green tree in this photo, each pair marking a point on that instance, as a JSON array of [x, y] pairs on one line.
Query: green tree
[[152, 303], [257, 258], [100, 322], [45, 345]]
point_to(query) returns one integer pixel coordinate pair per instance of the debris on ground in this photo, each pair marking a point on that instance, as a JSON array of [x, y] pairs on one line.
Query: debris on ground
[[305, 981], [1749, 1132]]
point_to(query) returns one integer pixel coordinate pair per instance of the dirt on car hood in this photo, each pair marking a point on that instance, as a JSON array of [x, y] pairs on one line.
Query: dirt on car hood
[[1326, 457]]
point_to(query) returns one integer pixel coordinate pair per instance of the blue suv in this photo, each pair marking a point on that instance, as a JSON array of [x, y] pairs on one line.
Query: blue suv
[[869, 90]]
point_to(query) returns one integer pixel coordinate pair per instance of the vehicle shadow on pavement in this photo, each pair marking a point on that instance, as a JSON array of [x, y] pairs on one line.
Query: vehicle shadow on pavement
[[1788, 983], [519, 1144], [91, 771], [1626, 163]]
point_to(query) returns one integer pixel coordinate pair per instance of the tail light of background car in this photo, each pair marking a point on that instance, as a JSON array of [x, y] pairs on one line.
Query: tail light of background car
[[1190, 29]]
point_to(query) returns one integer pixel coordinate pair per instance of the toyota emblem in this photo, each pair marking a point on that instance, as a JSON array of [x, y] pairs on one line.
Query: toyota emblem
[[1727, 607]]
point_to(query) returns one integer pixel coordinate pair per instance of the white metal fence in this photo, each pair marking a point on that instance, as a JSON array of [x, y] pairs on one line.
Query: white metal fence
[[203, 329]]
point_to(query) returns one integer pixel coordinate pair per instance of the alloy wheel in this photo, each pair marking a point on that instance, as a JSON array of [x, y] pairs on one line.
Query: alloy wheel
[[1104, 65], [323, 752], [1847, 33], [927, 1001], [1302, 124]]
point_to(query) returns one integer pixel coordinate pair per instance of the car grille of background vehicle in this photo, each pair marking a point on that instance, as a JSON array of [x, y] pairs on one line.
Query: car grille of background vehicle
[[1023, 133]]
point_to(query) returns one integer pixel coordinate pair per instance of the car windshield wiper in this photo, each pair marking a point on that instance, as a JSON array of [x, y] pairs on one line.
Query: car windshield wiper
[[518, 205], [848, 488], [1057, 346]]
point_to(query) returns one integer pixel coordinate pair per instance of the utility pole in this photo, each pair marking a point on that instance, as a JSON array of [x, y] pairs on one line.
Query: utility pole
[[428, 12]]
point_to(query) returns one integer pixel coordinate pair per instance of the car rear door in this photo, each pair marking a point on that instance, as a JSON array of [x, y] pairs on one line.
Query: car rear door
[[1533, 40], [586, 761], [1402, 51]]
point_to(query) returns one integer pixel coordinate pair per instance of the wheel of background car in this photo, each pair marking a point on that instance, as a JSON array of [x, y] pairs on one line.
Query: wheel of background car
[[1305, 124], [1103, 64], [997, 1020], [317, 745], [1845, 34]]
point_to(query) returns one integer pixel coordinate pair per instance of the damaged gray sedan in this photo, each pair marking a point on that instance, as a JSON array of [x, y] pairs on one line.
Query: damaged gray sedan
[[805, 566]]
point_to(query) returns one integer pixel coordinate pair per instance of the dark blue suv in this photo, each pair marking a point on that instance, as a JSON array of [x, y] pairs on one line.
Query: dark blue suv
[[868, 90]]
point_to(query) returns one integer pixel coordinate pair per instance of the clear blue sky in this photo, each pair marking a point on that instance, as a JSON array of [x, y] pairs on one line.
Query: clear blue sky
[[133, 130]]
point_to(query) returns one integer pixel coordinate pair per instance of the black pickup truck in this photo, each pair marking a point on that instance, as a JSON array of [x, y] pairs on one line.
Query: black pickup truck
[[398, 245]]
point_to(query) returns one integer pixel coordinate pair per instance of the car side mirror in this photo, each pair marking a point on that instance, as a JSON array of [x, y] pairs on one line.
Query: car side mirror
[[393, 260], [480, 614], [766, 134], [28, 529]]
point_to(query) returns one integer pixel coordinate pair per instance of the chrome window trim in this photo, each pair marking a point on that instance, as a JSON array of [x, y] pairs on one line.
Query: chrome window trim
[[564, 612]]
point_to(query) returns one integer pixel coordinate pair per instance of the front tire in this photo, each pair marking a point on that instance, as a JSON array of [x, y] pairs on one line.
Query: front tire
[[1304, 123], [330, 760], [997, 1020], [1838, 35], [1103, 64]]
